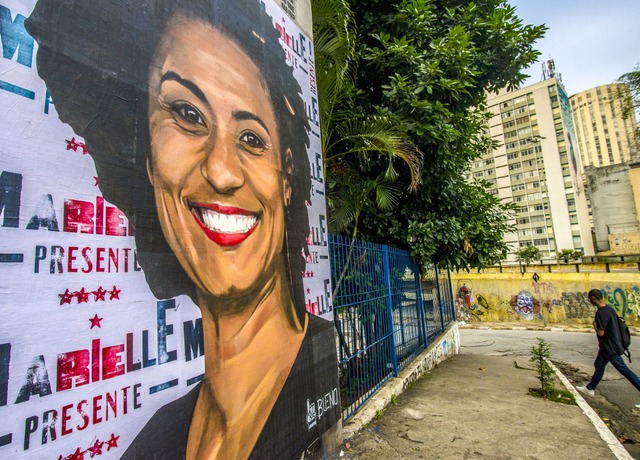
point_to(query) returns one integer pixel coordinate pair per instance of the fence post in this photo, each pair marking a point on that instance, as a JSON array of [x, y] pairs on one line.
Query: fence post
[[387, 281], [439, 298], [423, 317], [453, 309]]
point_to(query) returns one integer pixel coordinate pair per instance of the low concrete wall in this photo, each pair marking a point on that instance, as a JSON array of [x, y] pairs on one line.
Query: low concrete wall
[[554, 297], [444, 346]]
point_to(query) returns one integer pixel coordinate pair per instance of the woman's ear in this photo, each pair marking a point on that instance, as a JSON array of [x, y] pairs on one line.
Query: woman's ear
[[149, 174], [288, 170]]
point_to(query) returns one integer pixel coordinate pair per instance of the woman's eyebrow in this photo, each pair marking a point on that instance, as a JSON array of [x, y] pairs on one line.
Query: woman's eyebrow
[[188, 84], [244, 115]]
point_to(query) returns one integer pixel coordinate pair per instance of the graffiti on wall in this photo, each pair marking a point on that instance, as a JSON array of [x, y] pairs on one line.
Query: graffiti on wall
[[545, 298], [576, 305], [469, 305], [525, 305], [625, 301], [165, 269]]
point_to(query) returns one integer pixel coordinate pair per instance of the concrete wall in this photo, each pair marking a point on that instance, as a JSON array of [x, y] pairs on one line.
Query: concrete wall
[[614, 208], [555, 297]]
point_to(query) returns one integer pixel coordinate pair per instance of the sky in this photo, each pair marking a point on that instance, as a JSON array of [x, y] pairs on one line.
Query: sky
[[593, 42]]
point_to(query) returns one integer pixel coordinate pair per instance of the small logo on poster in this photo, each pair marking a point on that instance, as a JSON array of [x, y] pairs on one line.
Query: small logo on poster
[[311, 414]]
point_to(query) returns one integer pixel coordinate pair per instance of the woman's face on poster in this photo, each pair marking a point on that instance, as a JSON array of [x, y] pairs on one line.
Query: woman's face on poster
[[215, 162]]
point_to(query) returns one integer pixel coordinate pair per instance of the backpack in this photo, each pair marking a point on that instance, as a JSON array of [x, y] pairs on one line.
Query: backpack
[[625, 336]]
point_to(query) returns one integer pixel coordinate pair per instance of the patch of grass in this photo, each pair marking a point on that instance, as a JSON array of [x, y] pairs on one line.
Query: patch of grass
[[561, 396], [380, 413], [394, 399]]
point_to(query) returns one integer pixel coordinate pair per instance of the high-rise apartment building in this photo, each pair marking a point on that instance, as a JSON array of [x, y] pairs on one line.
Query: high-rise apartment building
[[537, 166], [605, 136]]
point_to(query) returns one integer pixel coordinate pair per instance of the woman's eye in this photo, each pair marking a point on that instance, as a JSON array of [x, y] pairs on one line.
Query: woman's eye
[[252, 142], [188, 117]]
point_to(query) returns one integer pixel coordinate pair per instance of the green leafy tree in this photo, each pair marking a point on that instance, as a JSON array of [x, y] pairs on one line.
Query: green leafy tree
[[631, 99], [528, 254], [424, 66], [351, 139], [567, 255]]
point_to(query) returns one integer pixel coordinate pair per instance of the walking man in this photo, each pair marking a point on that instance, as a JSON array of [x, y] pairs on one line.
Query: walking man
[[609, 343]]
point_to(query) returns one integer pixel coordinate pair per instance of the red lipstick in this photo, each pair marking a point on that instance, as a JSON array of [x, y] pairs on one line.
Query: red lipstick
[[224, 239]]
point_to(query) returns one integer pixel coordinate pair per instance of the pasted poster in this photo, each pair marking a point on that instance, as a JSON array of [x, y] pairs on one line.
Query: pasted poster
[[164, 266]]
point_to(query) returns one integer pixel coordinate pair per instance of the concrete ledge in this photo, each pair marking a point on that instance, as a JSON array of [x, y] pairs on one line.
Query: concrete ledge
[[444, 346], [488, 326]]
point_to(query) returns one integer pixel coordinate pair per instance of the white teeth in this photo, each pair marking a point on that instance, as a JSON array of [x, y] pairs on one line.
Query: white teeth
[[225, 223]]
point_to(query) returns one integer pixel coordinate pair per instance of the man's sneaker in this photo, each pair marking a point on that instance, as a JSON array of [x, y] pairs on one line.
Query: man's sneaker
[[585, 390]]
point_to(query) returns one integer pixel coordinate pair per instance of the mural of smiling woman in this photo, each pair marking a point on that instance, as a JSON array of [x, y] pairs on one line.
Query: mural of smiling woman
[[197, 124]]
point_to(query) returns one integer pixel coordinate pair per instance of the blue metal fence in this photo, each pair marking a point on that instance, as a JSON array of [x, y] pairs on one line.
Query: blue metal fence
[[385, 314]]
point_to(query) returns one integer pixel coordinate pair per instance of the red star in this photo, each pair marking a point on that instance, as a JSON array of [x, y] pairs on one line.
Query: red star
[[82, 295], [66, 297], [72, 144], [308, 291], [99, 294], [114, 293], [84, 148], [77, 455], [304, 274], [95, 178], [311, 273], [96, 449], [95, 321], [112, 442]]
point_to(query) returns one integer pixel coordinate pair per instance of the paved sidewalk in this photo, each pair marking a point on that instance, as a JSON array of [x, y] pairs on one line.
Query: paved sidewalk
[[474, 406]]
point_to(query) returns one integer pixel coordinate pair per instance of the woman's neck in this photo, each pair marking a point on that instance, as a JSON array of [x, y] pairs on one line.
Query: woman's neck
[[248, 357]]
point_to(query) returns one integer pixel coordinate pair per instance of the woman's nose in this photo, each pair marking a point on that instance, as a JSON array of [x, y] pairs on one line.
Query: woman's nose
[[221, 166]]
